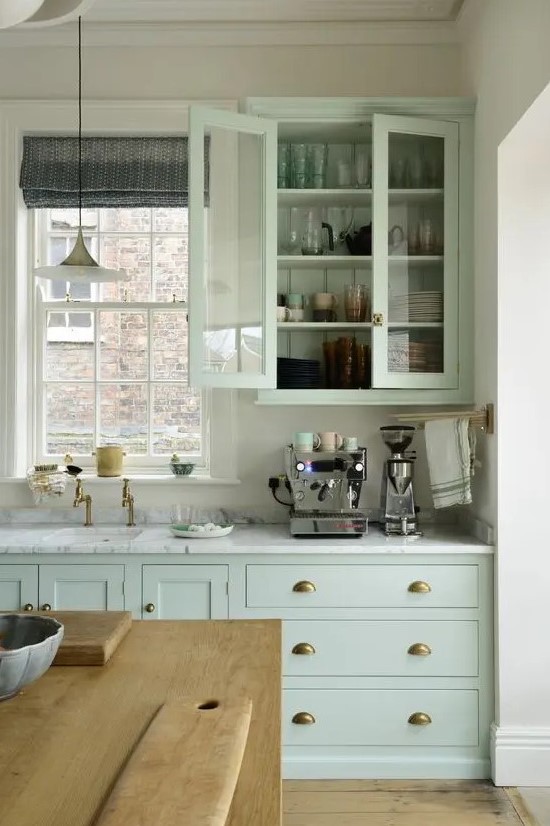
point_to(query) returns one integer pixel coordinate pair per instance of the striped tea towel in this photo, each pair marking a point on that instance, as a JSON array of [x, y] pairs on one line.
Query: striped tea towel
[[450, 447]]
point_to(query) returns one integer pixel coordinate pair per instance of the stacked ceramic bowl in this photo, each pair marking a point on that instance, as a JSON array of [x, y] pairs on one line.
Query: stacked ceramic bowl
[[28, 645]]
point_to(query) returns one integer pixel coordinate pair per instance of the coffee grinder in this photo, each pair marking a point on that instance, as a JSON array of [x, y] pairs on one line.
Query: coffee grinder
[[397, 490]]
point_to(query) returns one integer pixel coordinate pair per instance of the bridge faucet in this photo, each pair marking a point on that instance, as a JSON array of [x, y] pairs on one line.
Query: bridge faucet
[[128, 502], [79, 497]]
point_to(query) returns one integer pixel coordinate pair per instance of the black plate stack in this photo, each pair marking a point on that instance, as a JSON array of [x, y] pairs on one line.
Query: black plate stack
[[298, 373]]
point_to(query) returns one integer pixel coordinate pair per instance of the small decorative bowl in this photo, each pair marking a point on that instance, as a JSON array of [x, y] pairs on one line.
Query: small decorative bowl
[[181, 468], [30, 644]]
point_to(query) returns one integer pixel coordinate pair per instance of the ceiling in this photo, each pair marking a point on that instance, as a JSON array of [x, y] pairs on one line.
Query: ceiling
[[276, 11]]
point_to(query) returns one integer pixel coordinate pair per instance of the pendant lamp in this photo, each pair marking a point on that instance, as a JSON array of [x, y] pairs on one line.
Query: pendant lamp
[[79, 266]]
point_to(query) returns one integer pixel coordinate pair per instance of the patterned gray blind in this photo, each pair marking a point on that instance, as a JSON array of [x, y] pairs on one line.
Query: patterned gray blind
[[116, 172]]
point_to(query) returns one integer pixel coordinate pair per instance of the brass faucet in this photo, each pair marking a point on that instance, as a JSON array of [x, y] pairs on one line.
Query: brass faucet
[[128, 502], [79, 497]]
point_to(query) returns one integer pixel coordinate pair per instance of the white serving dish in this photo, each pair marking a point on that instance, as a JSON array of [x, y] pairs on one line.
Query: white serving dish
[[183, 532]]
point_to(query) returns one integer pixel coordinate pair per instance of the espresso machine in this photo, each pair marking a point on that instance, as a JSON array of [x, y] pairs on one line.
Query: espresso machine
[[325, 487], [397, 489]]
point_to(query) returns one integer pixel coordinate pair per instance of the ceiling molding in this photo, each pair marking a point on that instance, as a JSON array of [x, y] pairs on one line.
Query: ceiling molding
[[274, 10], [235, 34]]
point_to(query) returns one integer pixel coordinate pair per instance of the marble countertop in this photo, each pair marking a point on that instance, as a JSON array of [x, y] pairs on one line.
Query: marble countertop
[[244, 539]]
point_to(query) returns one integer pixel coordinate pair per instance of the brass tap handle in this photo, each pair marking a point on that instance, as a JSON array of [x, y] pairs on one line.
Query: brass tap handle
[[303, 648], [28, 607], [419, 718], [46, 607], [304, 587], [303, 718], [125, 490], [419, 587], [150, 607], [419, 649]]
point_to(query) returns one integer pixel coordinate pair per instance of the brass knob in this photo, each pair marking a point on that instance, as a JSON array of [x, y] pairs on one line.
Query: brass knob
[[46, 607], [419, 587], [304, 587], [419, 649], [419, 718], [303, 648], [303, 718], [28, 607], [150, 607]]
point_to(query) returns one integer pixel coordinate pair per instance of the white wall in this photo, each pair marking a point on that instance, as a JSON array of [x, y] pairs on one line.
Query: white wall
[[507, 64], [231, 72]]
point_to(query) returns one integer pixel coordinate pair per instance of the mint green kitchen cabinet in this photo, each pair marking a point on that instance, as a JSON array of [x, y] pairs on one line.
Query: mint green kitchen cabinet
[[191, 592], [403, 169], [81, 587], [18, 587]]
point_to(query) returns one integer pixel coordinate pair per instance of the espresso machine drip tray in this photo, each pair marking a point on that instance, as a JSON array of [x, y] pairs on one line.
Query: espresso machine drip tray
[[328, 523]]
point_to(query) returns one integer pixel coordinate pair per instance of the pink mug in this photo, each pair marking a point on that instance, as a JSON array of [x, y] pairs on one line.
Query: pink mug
[[330, 441]]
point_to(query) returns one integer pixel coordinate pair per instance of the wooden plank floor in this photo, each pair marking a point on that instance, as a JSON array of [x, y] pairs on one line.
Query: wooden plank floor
[[401, 803]]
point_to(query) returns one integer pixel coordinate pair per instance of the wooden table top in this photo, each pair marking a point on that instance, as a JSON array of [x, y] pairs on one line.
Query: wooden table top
[[65, 739]]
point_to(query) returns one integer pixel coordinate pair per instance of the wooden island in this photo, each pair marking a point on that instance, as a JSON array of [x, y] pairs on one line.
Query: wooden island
[[65, 739]]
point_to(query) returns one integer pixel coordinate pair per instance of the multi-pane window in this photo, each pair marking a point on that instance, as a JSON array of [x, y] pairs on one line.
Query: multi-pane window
[[112, 358]]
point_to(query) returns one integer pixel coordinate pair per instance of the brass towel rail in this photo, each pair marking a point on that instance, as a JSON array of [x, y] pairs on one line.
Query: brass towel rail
[[484, 417]]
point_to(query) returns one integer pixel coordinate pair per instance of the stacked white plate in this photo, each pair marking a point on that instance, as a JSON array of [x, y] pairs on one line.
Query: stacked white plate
[[421, 307], [406, 356]]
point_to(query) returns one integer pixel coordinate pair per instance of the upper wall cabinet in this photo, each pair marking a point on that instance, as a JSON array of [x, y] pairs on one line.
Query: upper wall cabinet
[[232, 261], [372, 260]]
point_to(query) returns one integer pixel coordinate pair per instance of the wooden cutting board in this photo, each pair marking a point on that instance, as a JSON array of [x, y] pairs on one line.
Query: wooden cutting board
[[90, 637], [185, 767]]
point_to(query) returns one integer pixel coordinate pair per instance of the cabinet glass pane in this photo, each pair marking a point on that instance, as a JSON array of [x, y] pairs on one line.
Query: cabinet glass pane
[[416, 253], [233, 338]]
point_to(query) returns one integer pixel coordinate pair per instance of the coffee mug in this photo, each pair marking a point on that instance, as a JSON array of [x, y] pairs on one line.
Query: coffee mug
[[350, 443], [323, 315], [324, 301], [306, 441], [295, 315], [330, 441], [295, 301], [283, 314]]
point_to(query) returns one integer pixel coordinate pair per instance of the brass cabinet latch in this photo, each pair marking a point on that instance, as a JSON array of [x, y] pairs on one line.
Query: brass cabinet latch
[[378, 319]]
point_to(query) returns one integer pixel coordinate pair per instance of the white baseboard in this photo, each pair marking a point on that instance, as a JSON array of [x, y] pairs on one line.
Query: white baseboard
[[385, 769], [520, 756]]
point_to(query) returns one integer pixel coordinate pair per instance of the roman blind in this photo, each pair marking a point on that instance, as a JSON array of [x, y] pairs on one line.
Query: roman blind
[[116, 171]]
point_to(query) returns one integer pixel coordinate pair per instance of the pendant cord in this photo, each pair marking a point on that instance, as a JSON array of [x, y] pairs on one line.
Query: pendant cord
[[80, 122]]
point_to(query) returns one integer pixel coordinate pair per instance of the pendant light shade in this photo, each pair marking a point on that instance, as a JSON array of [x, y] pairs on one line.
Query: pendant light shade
[[79, 266]]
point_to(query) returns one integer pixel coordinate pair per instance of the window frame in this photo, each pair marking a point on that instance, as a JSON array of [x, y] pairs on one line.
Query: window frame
[[18, 316]]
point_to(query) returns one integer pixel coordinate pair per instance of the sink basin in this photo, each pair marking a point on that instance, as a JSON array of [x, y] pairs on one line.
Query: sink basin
[[91, 535]]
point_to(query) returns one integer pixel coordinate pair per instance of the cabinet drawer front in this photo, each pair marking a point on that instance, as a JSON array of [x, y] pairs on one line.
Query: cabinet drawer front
[[314, 648], [362, 586], [373, 717]]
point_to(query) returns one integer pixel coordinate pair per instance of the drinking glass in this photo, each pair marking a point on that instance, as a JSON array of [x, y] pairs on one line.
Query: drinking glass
[[362, 166], [298, 165], [317, 165], [356, 302], [283, 165]]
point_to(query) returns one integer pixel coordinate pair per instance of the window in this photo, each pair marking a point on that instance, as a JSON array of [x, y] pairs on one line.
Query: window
[[111, 359]]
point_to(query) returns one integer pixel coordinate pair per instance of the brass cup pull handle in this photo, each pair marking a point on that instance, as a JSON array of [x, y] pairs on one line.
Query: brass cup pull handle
[[46, 607], [304, 587], [419, 649], [419, 718], [419, 587], [28, 607], [303, 648], [150, 607], [303, 718]]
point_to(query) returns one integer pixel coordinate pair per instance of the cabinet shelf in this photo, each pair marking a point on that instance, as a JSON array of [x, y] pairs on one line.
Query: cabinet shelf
[[329, 325], [330, 197], [324, 262], [400, 195], [414, 325], [415, 260]]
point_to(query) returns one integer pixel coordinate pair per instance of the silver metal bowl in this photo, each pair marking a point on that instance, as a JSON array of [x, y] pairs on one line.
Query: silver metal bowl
[[28, 647]]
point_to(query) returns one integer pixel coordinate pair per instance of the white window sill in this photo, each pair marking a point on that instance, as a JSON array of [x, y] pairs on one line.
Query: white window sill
[[158, 479]]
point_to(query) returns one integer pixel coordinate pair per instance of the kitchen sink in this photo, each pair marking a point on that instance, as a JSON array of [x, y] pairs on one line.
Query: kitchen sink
[[91, 535]]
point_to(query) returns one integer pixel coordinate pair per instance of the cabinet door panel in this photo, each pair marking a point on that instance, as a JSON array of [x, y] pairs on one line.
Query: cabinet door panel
[[82, 587], [232, 245], [184, 592], [415, 249], [18, 587]]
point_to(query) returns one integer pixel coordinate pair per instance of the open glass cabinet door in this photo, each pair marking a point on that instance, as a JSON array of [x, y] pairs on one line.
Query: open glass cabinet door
[[415, 252], [232, 250]]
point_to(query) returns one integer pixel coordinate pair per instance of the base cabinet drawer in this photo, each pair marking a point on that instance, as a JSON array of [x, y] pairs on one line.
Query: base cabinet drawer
[[380, 717], [315, 648], [360, 586]]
